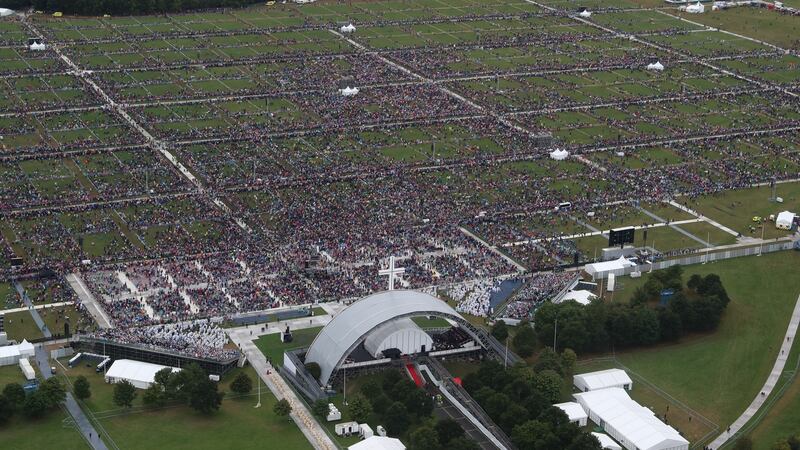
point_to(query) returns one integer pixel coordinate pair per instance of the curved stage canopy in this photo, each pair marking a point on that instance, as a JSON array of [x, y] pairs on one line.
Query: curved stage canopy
[[343, 334]]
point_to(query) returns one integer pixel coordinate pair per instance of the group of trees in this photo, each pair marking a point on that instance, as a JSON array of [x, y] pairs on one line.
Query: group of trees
[[445, 434], [189, 385], [697, 307], [790, 443], [524, 340], [14, 399], [123, 7], [519, 400]]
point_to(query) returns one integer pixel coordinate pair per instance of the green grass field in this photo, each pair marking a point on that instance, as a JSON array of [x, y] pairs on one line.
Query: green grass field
[[720, 373], [20, 325], [272, 347]]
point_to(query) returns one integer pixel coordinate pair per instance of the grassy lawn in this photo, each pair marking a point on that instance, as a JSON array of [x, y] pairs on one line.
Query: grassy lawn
[[434, 322], [769, 26], [719, 374], [20, 325], [54, 430], [272, 347]]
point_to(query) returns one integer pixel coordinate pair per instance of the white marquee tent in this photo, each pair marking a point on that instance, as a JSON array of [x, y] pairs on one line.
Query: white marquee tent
[[140, 374], [602, 379], [696, 8], [11, 354], [37, 46], [585, 14], [559, 155], [606, 442], [6, 12], [348, 91], [581, 296], [785, 220], [26, 349], [601, 269], [349, 28], [656, 66], [378, 443], [630, 424], [574, 411]]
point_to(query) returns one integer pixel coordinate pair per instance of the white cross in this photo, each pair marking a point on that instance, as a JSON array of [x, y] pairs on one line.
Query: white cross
[[392, 272]]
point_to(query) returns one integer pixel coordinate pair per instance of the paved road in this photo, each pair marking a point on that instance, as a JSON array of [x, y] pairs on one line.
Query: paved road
[[772, 380], [34, 313], [88, 300], [82, 423]]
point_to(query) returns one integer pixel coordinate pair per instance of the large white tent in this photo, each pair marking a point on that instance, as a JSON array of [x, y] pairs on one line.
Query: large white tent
[[581, 296], [6, 12], [602, 379], [606, 442], [37, 46], [656, 66], [785, 220], [574, 411], [402, 334], [559, 155], [11, 354], [348, 91], [696, 8], [140, 374], [630, 424], [349, 28], [601, 269], [378, 443], [26, 349]]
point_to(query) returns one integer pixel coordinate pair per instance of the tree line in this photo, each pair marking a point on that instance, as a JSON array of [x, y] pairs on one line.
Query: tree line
[[32, 405], [600, 326], [519, 400], [123, 7]]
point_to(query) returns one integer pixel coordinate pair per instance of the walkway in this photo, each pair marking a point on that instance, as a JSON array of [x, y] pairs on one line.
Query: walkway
[[88, 300], [772, 380], [35, 314], [674, 227], [302, 417], [84, 427], [707, 219], [492, 249]]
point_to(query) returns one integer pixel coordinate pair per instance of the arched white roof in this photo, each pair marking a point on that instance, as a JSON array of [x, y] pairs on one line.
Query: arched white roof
[[342, 334]]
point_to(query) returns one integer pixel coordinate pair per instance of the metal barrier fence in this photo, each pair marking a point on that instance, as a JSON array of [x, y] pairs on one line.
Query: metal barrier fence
[[701, 257]]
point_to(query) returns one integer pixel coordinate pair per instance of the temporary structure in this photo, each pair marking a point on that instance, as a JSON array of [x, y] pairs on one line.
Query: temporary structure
[[349, 28], [785, 220], [629, 423], [559, 155], [657, 66], [602, 379], [575, 412], [348, 91], [6, 12], [602, 269], [378, 443], [37, 47], [606, 442], [140, 374], [27, 370], [585, 14], [696, 8], [9, 355], [26, 349], [581, 296]]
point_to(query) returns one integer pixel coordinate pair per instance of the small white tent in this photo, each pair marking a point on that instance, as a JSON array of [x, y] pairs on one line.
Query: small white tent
[[559, 155], [348, 91], [785, 220], [9, 355], [349, 28], [656, 66], [696, 8], [575, 412], [37, 47], [581, 296], [602, 269], [378, 443], [585, 14], [26, 349], [6, 12], [606, 442]]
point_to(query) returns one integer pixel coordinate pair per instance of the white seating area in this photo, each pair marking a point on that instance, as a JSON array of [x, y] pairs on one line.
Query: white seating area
[[473, 297]]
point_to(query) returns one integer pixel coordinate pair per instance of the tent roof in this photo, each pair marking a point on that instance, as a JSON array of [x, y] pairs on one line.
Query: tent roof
[[581, 296], [136, 370], [607, 266], [635, 423], [378, 443], [606, 442], [573, 410], [604, 378], [9, 350]]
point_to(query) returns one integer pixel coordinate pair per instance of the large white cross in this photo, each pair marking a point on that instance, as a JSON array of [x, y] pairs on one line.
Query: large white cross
[[392, 271]]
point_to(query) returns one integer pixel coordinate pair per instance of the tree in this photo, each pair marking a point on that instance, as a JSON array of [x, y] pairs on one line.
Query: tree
[[360, 408], [53, 392], [282, 408], [154, 396], [242, 384], [424, 438], [548, 383], [35, 405], [568, 360], [525, 340], [500, 331], [320, 408], [15, 394], [81, 388], [6, 409], [447, 430], [669, 324], [204, 396], [396, 418], [461, 443], [783, 444], [124, 394]]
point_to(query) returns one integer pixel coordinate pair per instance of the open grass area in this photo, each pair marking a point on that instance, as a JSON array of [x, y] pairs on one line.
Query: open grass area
[[719, 374], [272, 347], [20, 325], [769, 26]]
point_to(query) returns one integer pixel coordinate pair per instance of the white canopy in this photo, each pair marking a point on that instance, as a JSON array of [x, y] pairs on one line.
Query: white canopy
[[559, 155], [602, 379], [657, 66], [608, 266], [348, 91], [378, 443], [574, 411], [9, 355], [585, 14], [629, 422], [784, 220], [26, 349], [139, 374], [581, 296], [697, 8], [37, 46], [349, 28], [6, 12], [606, 442]]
